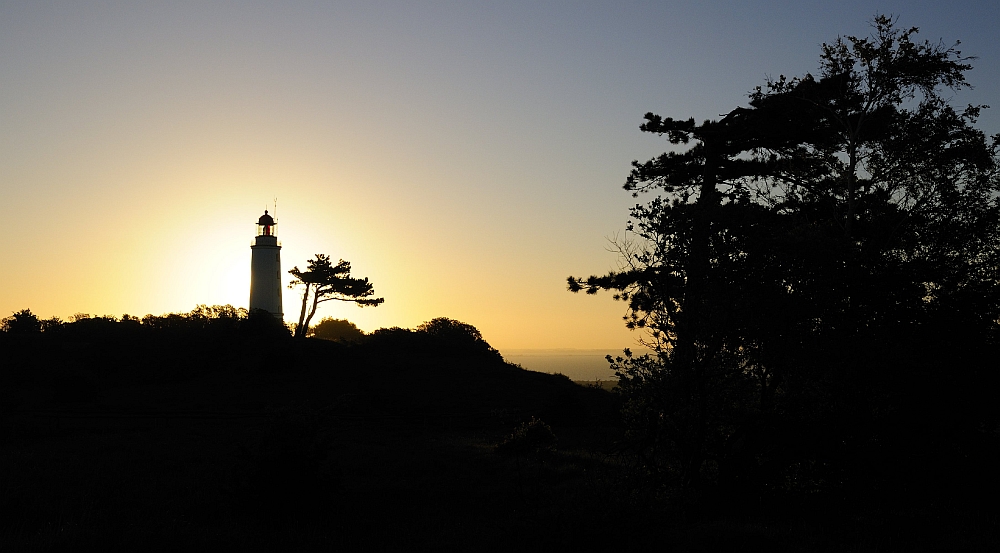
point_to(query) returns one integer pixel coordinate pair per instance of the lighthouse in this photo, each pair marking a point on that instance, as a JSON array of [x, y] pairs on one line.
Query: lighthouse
[[265, 268]]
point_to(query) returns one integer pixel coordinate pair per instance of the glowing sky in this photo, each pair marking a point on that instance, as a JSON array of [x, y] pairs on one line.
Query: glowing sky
[[465, 156]]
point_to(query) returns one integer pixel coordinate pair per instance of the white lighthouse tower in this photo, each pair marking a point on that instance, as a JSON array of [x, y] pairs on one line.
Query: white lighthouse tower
[[265, 268]]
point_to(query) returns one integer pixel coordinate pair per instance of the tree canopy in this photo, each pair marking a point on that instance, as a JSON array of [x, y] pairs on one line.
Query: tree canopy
[[21, 322], [329, 328], [816, 256], [323, 281]]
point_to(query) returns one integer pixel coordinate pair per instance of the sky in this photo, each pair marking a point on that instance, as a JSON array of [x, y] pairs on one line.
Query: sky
[[466, 157]]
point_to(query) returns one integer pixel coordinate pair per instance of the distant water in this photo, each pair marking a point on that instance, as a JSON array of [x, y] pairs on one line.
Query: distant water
[[578, 364]]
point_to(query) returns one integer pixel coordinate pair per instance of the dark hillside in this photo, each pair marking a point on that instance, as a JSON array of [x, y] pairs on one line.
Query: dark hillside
[[181, 432], [119, 436], [399, 372]]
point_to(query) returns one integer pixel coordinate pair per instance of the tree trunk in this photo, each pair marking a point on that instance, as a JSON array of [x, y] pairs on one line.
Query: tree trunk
[[692, 326], [312, 311], [299, 330]]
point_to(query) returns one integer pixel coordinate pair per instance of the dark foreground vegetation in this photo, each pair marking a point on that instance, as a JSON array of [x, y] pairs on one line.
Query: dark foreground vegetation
[[818, 274], [217, 429]]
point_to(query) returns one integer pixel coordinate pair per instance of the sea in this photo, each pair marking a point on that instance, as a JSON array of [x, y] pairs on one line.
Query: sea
[[578, 364]]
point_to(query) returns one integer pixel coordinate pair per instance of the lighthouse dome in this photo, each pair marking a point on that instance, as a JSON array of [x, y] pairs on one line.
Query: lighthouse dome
[[265, 219]]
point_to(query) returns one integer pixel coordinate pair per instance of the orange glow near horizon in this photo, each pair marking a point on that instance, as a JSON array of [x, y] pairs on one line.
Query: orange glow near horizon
[[195, 249], [465, 159]]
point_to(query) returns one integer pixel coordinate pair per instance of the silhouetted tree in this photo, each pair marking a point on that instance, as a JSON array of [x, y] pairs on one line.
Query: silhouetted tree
[[795, 240], [21, 322], [257, 323], [324, 281]]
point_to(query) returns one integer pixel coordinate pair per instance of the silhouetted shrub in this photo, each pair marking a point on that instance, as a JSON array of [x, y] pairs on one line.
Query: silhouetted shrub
[[262, 324], [457, 336], [336, 329], [451, 329], [392, 342], [215, 321], [51, 324], [531, 437], [22, 322]]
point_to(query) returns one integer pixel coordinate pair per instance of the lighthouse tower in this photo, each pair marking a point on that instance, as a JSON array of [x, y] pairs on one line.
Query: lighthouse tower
[[265, 268]]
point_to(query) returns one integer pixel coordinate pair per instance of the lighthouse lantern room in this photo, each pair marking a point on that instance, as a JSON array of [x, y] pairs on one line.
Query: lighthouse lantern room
[[265, 268]]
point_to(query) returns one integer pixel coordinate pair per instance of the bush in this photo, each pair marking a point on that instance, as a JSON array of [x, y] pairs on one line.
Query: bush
[[336, 329], [451, 329], [459, 337], [22, 322], [531, 437]]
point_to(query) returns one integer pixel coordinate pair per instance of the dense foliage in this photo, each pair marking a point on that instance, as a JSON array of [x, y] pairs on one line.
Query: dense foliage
[[218, 319], [818, 275]]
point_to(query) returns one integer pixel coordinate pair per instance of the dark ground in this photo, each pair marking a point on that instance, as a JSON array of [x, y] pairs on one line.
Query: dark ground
[[248, 444]]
